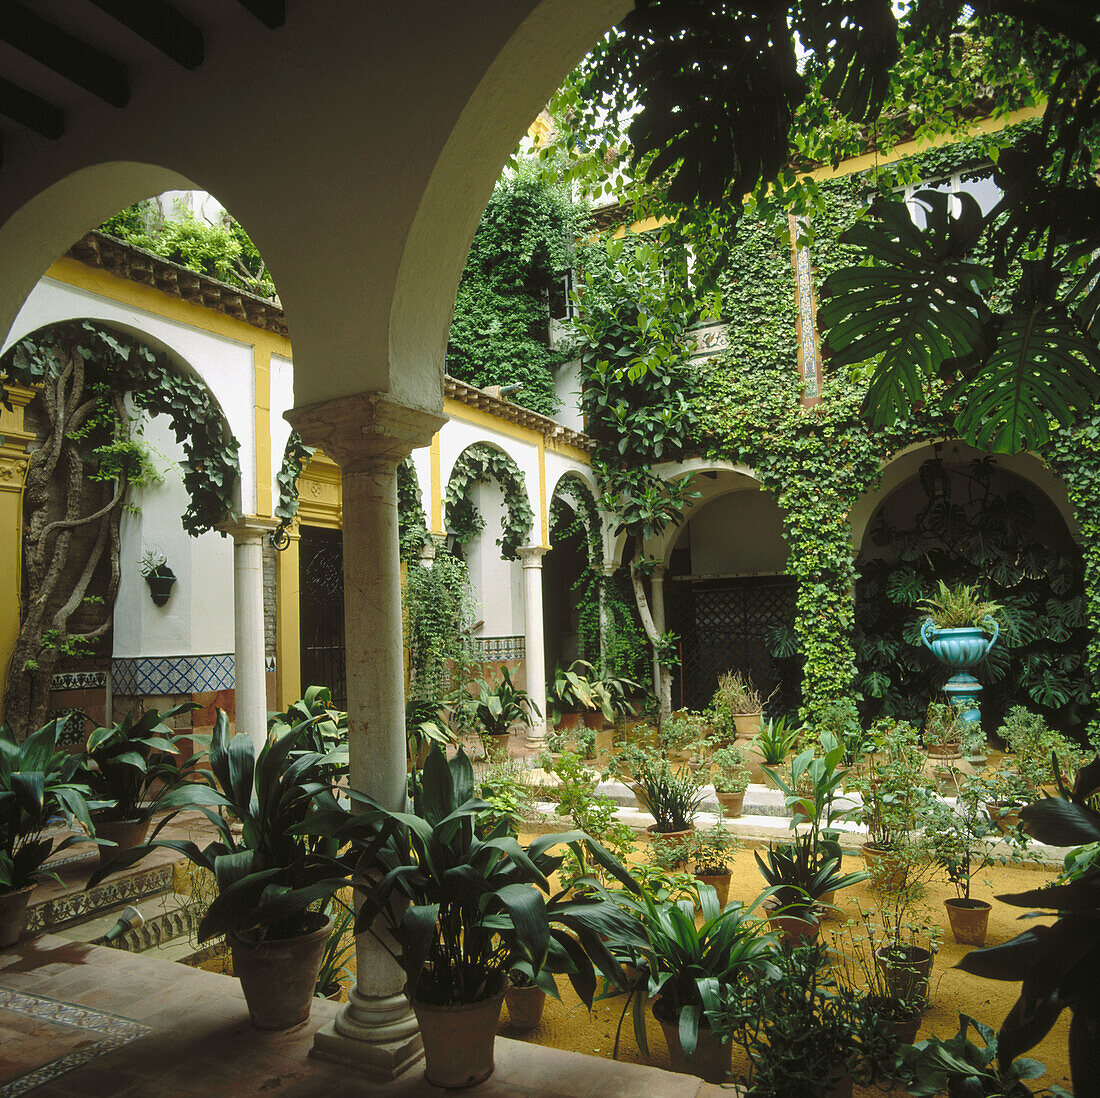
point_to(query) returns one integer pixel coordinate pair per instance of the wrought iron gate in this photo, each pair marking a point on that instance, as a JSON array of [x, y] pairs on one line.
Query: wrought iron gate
[[722, 626], [321, 611]]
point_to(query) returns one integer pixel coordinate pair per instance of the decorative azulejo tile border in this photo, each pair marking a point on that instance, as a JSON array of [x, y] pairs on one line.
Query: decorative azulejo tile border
[[172, 674], [708, 339], [499, 648], [79, 680], [113, 1031]]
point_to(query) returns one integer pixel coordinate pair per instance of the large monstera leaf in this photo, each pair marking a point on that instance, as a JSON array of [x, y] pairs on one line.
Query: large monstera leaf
[[916, 305]]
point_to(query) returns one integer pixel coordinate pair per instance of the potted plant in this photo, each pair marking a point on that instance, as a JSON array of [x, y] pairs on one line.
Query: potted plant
[[775, 742], [525, 1000], [159, 577], [339, 950], [570, 694], [708, 855], [960, 840], [682, 964], [671, 797], [959, 1067], [273, 880], [498, 706], [737, 706], [805, 1034], [131, 767], [944, 731], [38, 780], [461, 911], [1034, 750], [730, 776], [892, 789]]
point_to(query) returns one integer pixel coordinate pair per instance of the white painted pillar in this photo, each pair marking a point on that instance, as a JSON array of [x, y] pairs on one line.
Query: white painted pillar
[[657, 608], [367, 436], [534, 646], [250, 682]]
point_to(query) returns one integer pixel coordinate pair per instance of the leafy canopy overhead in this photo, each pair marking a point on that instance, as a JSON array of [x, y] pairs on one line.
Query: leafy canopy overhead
[[722, 100]]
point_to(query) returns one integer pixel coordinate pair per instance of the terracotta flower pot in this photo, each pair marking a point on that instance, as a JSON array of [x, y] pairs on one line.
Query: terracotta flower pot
[[720, 882], [711, 1059], [459, 1041], [969, 920], [525, 1005], [794, 929], [569, 720], [732, 804], [895, 1019], [278, 978], [906, 971], [593, 718], [496, 746], [883, 874], [747, 725], [13, 915], [125, 834], [1004, 817], [670, 838]]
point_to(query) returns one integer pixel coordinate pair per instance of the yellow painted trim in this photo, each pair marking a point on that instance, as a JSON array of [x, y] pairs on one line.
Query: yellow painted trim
[[261, 373], [320, 493], [435, 486], [544, 499], [457, 410], [871, 159], [97, 281], [288, 641]]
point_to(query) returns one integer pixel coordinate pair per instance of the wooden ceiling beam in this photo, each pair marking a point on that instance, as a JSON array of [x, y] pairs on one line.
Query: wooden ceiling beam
[[31, 110], [65, 54], [161, 25], [272, 13]]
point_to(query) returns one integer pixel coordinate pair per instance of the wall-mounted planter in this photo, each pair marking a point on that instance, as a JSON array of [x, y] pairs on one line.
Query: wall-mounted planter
[[160, 584]]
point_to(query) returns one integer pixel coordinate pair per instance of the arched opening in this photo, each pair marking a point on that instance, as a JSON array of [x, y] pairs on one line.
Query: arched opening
[[129, 458], [729, 599], [963, 517]]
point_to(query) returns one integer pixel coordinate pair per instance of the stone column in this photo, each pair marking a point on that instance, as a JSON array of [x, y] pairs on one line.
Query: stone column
[[657, 608], [250, 683], [367, 436], [534, 647], [13, 472], [606, 623]]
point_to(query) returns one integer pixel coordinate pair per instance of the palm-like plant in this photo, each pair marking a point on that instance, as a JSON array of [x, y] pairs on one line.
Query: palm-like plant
[[799, 873], [686, 965], [777, 738], [132, 765], [671, 797], [324, 728], [498, 706], [271, 873], [571, 689], [37, 780], [959, 606]]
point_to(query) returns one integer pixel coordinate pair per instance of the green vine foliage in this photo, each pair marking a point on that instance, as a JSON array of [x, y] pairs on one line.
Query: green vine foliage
[[223, 251], [295, 456], [525, 241], [155, 385], [479, 464], [439, 618], [412, 525]]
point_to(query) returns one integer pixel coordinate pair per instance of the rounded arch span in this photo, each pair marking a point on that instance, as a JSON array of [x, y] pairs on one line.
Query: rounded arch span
[[48, 224], [905, 464], [480, 463], [177, 362], [573, 483]]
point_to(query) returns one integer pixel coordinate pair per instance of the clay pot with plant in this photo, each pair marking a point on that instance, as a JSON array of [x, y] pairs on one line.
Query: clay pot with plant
[[671, 797], [160, 578], [963, 841], [457, 945], [273, 880], [737, 707], [706, 854], [776, 741], [730, 777], [38, 781], [525, 1001]]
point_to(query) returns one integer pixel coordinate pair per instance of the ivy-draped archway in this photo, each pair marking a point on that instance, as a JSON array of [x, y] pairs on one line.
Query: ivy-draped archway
[[89, 378], [481, 463]]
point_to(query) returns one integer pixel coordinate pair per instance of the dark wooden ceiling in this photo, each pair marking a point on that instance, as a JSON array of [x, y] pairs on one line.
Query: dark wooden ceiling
[[53, 53]]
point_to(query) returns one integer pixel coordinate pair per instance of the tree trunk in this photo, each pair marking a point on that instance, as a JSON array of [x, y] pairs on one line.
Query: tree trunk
[[661, 676], [60, 499]]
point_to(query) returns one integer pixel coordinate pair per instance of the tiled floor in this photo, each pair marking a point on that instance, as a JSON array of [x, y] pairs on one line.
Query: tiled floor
[[153, 1028]]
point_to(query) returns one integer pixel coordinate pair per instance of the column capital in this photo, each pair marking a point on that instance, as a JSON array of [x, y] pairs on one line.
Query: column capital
[[532, 555], [363, 431], [18, 395], [247, 528]]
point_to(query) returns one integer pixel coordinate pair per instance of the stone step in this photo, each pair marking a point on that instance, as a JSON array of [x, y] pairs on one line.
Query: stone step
[[168, 916]]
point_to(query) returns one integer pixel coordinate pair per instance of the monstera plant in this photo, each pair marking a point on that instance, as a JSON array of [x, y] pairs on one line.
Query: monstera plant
[[1058, 966]]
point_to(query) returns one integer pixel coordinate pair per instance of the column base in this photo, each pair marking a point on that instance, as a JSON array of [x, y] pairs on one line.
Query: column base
[[535, 739], [379, 1038]]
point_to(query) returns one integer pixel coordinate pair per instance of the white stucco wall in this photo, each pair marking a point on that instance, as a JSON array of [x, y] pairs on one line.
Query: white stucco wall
[[567, 388], [225, 365], [198, 617], [738, 534], [497, 583], [282, 398]]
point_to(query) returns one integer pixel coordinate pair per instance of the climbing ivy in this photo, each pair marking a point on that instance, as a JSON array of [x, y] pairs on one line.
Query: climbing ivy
[[295, 455], [411, 524], [479, 464], [522, 246]]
